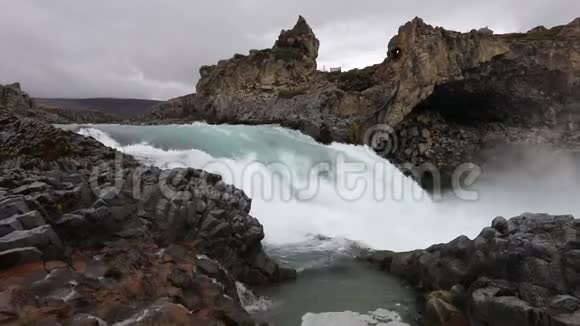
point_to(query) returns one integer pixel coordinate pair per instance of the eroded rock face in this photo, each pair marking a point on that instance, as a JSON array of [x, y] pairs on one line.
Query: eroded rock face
[[469, 91], [276, 85], [523, 271], [138, 245], [475, 92]]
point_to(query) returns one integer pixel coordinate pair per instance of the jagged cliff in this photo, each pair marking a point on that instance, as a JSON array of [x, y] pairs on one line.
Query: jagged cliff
[[449, 96]]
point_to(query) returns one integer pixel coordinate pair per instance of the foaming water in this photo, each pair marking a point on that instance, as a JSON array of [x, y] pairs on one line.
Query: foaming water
[[251, 302], [348, 318], [300, 188], [320, 205]]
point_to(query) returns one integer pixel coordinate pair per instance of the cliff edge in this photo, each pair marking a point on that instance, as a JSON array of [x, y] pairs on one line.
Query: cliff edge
[[447, 97]]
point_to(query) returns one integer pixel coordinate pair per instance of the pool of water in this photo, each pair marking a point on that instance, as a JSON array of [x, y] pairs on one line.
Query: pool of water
[[333, 288]]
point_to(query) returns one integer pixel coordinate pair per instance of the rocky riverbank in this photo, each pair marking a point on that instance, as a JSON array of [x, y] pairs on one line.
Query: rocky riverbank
[[447, 97], [521, 271], [89, 235]]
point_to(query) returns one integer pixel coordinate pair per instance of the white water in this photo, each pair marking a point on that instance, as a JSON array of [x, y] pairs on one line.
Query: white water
[[378, 317], [385, 215]]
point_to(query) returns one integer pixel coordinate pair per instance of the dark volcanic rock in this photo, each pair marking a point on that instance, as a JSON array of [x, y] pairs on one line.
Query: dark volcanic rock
[[524, 271], [125, 283], [33, 144], [131, 233], [164, 206], [43, 238], [449, 98], [14, 257]]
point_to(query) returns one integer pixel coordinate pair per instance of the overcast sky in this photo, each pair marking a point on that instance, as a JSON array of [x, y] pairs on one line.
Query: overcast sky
[[154, 48]]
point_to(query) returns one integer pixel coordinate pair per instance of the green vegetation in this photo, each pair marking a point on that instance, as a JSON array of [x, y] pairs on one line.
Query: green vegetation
[[545, 34], [356, 80], [538, 35]]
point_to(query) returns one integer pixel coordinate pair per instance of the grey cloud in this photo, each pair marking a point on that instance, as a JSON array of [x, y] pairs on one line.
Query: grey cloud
[[154, 48]]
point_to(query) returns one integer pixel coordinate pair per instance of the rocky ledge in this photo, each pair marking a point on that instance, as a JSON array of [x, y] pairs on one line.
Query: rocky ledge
[[90, 236], [449, 97], [14, 100], [521, 271]]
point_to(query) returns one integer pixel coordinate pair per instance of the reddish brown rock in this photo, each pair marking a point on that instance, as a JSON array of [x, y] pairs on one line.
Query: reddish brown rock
[[131, 282]]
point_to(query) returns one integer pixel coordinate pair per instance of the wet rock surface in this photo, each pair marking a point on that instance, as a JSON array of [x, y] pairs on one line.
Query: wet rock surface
[[35, 145], [90, 236], [521, 271], [125, 283]]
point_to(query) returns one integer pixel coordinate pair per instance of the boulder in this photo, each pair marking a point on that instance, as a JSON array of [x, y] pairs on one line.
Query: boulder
[[565, 303], [30, 188], [500, 224], [43, 238], [440, 311], [9, 225], [13, 257], [521, 271], [13, 205], [30, 220]]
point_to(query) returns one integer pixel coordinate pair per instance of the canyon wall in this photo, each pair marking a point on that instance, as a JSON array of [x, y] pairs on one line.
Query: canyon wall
[[447, 97]]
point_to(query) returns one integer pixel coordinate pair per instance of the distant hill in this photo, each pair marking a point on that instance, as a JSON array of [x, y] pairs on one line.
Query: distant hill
[[116, 106]]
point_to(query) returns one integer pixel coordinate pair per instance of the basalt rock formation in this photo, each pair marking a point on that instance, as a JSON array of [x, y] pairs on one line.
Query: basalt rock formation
[[137, 245], [447, 97], [522, 271]]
